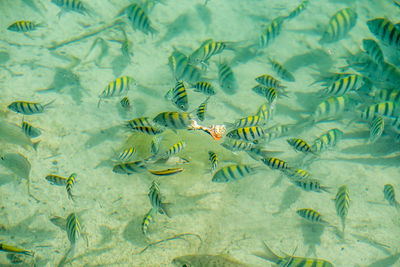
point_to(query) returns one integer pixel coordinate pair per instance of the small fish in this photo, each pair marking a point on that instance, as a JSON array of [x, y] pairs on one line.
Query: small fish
[[142, 121], [246, 133], [56, 180], [155, 198], [372, 48], [129, 167], [179, 96], [118, 87], [386, 109], [282, 71], [226, 78], [331, 107], [73, 228], [300, 8], [29, 130], [377, 126], [17, 163], [232, 173], [269, 81], [28, 108], [127, 154], [207, 261], [8, 248], [271, 32], [342, 203], [310, 185], [155, 145], [339, 25], [213, 159], [22, 26], [248, 121], [299, 145], [175, 149], [205, 88], [311, 216], [265, 111], [391, 95], [70, 183], [125, 103], [385, 31], [70, 5], [200, 112], [268, 92], [147, 220], [327, 140], [181, 69], [390, 196], [139, 19], [275, 163], [173, 120], [208, 49], [344, 85], [11, 133], [167, 172], [297, 174], [147, 130], [280, 129], [237, 145]]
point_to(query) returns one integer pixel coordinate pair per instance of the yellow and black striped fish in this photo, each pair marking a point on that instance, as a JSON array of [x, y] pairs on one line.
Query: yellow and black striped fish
[[139, 19], [73, 228], [300, 8], [386, 109], [118, 87], [310, 185], [311, 216], [29, 130], [129, 167], [70, 5], [266, 111], [200, 112], [280, 129], [12, 249], [292, 261], [155, 145], [282, 71], [237, 145], [269, 81], [327, 140], [167, 172], [248, 121], [297, 174], [299, 145], [181, 69], [70, 183], [226, 79], [385, 31], [179, 96], [141, 121], [213, 159], [246, 133], [175, 149], [22, 26], [28, 108], [342, 203], [127, 154], [155, 198], [232, 172], [148, 218], [275, 163], [339, 25], [372, 49], [331, 107], [150, 130], [390, 196], [377, 126], [271, 32], [56, 180], [205, 88], [391, 95], [344, 85], [125, 103], [268, 92], [173, 120], [208, 49]]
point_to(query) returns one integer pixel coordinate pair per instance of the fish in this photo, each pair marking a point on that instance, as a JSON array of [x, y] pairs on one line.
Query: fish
[[200, 112], [271, 32], [385, 95], [275, 163], [237, 145], [148, 218], [226, 78], [175, 149], [299, 9], [127, 154], [233, 172], [17, 163], [11, 133], [207, 49], [73, 228], [311, 216], [30, 131], [342, 203], [125, 103], [221, 260], [250, 133], [12, 249], [173, 120], [155, 198], [344, 85], [118, 87], [385, 31], [141, 121], [129, 167], [377, 126], [297, 174], [265, 111], [339, 25], [213, 158], [155, 145], [181, 69], [280, 129], [372, 49], [269, 81], [179, 96], [390, 196], [70, 183], [282, 71], [139, 19], [23, 26], [310, 185], [290, 260], [330, 107], [56, 180], [205, 88], [71, 5], [386, 109], [299, 145], [28, 108], [167, 172], [268, 92], [248, 121], [150, 130], [327, 140]]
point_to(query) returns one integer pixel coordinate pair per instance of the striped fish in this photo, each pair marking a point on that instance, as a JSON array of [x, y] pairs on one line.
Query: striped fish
[[70, 5], [205, 88], [342, 203], [297, 174], [377, 126], [141, 121], [299, 145], [12, 249], [125, 103], [266, 111], [300, 8], [155, 198], [339, 25], [150, 130], [390, 196], [181, 69], [118, 87], [275, 163], [233, 172], [208, 49], [73, 228], [269, 81], [268, 92], [331, 107], [30, 131], [56, 180], [175, 149], [391, 95], [129, 167], [173, 120], [127, 154], [139, 19], [179, 96], [22, 26], [246, 133], [311, 216], [168, 172], [155, 145], [70, 183], [248, 121], [226, 78], [28, 108], [327, 140], [280, 129], [237, 145], [385, 31], [148, 218], [344, 85], [386, 109], [310, 185], [200, 112], [271, 32], [213, 159], [372, 49], [282, 71]]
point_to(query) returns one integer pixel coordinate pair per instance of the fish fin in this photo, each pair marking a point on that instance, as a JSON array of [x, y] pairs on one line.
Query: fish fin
[[36, 144], [268, 254]]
